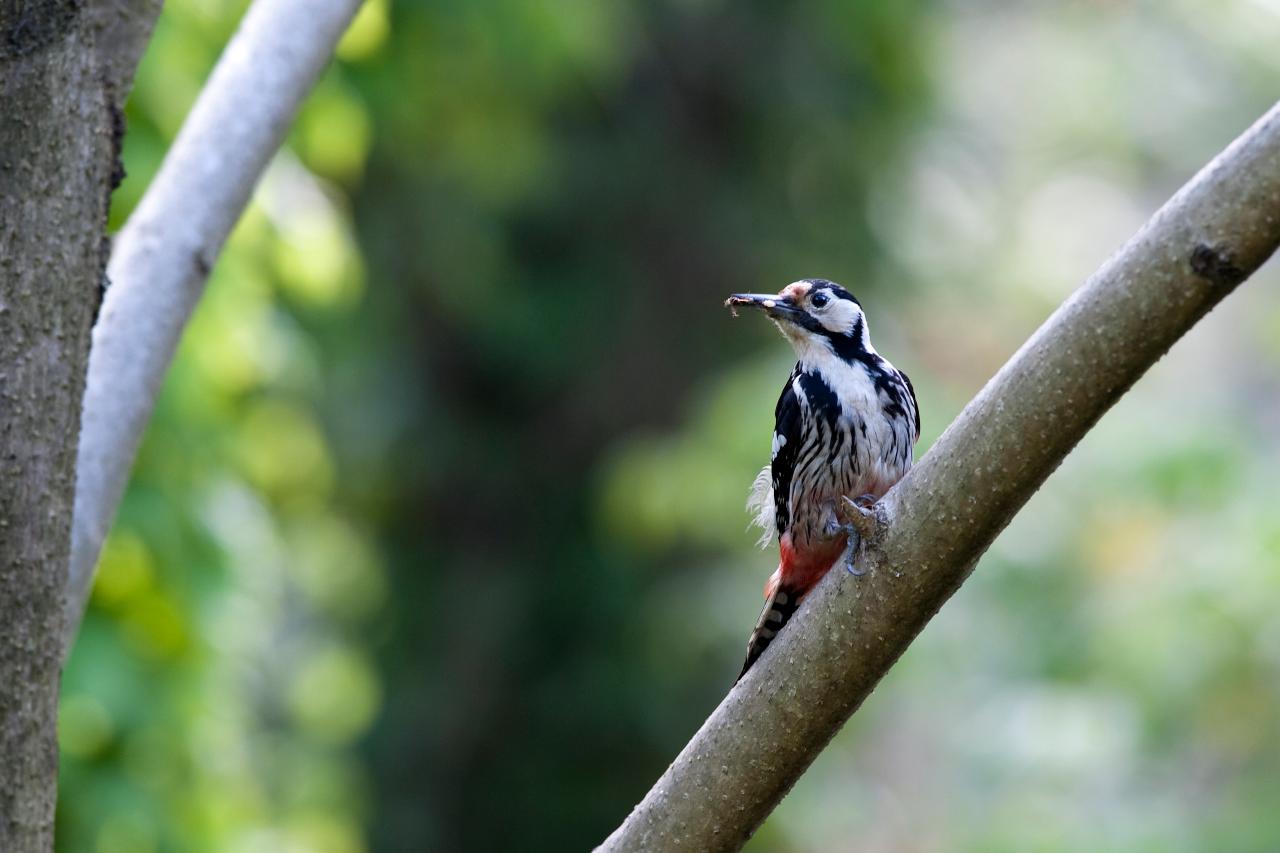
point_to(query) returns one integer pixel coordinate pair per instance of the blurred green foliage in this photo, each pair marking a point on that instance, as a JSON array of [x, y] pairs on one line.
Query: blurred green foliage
[[437, 541]]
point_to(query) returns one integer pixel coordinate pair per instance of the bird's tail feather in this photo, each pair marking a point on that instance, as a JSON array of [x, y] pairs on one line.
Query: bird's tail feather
[[778, 610]]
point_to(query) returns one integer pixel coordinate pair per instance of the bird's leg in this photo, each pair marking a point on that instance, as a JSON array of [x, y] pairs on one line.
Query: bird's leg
[[851, 548], [837, 526], [858, 521]]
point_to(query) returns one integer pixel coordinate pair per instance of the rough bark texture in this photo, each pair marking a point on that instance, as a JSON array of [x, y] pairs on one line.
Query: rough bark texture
[[57, 158], [939, 520], [164, 253], [121, 32]]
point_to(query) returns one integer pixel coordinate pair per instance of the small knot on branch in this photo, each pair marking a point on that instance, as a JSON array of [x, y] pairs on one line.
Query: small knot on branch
[[1214, 263]]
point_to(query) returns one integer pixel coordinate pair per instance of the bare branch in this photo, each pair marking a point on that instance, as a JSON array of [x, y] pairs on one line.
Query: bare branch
[[1206, 240], [163, 254]]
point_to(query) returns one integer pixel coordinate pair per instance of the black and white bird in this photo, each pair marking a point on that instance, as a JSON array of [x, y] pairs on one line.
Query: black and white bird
[[845, 427]]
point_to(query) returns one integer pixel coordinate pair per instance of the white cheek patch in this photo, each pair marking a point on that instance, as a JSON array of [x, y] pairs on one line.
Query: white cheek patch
[[840, 317]]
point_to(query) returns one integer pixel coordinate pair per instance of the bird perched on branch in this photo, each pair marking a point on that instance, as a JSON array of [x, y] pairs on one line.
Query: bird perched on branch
[[844, 431]]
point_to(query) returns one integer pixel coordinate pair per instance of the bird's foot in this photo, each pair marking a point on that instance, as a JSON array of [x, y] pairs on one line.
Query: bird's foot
[[851, 548], [859, 521], [834, 529], [858, 514]]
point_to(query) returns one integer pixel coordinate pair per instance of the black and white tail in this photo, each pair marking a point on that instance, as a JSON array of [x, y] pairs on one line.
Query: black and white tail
[[778, 610]]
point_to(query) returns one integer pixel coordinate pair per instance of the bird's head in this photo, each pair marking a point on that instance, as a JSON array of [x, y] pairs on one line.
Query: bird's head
[[816, 315]]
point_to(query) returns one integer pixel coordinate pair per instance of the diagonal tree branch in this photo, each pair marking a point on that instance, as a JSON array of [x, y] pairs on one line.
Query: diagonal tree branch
[[939, 520], [163, 254]]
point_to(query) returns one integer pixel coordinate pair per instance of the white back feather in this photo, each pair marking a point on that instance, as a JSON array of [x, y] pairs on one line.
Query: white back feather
[[760, 505]]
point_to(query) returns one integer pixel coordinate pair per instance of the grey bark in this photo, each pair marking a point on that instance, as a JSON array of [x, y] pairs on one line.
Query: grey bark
[[57, 160], [932, 528], [121, 32]]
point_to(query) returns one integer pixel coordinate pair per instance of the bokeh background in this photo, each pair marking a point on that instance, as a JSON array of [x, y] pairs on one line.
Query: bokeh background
[[437, 540]]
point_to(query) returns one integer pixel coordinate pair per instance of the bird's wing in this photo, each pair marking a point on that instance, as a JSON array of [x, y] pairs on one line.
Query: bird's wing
[[915, 403], [787, 435]]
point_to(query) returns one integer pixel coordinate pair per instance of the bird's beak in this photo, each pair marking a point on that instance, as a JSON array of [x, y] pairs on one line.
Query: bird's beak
[[776, 306]]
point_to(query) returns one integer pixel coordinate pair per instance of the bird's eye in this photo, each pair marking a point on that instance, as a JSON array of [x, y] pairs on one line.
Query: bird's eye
[[819, 299]]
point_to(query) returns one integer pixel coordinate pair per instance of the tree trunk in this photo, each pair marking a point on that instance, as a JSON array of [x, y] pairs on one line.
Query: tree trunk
[[59, 138]]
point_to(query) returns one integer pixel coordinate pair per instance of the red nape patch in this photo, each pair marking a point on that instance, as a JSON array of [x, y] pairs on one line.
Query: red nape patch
[[796, 290], [801, 568]]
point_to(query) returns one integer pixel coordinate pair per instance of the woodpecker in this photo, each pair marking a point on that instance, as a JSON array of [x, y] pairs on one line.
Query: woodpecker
[[844, 427]]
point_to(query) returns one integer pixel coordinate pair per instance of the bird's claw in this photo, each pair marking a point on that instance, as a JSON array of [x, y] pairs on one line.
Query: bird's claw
[[851, 548], [859, 521], [833, 529], [858, 514]]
